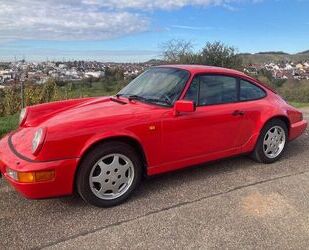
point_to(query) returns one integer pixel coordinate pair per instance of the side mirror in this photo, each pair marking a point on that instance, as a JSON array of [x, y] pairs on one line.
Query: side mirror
[[183, 106]]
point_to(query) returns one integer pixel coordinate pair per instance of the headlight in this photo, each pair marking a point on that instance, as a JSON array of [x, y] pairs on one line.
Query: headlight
[[38, 140], [13, 174], [23, 116]]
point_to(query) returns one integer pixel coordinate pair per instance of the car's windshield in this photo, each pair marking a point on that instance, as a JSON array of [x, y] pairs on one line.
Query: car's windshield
[[157, 85]]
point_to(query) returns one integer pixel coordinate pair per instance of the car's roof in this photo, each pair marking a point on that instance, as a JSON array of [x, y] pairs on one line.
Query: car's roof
[[198, 69], [195, 69]]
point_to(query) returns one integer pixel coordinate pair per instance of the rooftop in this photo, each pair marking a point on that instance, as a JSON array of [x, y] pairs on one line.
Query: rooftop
[[204, 69]]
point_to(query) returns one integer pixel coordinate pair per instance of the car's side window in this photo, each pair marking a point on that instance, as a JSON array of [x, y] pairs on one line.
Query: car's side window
[[216, 89], [219, 89], [212, 89], [249, 91]]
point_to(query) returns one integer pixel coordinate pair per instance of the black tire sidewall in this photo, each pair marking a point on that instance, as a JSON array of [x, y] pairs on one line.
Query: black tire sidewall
[[259, 153], [92, 157]]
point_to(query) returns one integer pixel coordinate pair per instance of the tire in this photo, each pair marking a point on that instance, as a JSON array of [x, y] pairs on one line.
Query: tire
[[262, 149], [109, 174]]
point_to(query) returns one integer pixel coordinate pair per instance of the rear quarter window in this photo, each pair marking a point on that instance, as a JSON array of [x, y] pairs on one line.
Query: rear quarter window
[[250, 91]]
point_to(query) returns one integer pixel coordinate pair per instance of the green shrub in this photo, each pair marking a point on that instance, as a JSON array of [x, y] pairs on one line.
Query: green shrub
[[32, 95], [295, 92], [49, 92], [8, 123], [11, 101]]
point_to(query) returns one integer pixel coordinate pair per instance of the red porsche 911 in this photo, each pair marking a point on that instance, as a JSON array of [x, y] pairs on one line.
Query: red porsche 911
[[168, 118]]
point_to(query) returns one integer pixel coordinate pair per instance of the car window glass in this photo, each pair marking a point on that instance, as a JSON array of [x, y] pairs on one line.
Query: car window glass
[[165, 84], [249, 91], [217, 89], [192, 92]]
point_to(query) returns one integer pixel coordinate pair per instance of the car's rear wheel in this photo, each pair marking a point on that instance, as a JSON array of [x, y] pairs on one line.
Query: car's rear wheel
[[272, 142], [109, 174]]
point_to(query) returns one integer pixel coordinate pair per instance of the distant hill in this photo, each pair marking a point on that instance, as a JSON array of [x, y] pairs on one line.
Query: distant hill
[[274, 56], [272, 53], [155, 62], [304, 52]]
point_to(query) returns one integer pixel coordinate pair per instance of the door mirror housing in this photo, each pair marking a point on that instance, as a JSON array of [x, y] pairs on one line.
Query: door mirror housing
[[183, 106]]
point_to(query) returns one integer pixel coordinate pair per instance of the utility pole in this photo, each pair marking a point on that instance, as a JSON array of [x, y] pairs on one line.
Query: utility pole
[[18, 80], [22, 93], [23, 77]]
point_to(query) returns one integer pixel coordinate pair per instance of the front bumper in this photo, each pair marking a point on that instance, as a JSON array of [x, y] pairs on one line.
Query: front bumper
[[61, 185], [297, 129]]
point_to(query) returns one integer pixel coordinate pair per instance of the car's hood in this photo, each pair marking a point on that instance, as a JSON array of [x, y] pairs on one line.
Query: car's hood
[[83, 109], [75, 121]]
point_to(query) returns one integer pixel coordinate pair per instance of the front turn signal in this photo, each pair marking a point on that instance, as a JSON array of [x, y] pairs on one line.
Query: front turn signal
[[31, 177], [26, 177]]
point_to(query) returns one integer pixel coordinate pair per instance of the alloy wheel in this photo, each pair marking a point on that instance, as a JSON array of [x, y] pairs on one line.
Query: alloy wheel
[[274, 142], [111, 176]]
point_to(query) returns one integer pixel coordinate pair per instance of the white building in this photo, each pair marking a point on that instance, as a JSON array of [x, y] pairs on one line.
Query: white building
[[95, 74]]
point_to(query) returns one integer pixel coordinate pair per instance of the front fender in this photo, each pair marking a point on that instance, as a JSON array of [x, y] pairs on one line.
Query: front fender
[[108, 135]]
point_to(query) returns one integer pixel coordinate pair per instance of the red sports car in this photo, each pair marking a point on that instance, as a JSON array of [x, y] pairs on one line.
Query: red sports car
[[168, 118]]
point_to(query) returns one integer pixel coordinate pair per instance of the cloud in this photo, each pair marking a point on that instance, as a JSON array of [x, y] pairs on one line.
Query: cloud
[[65, 20], [84, 19], [41, 54], [145, 5]]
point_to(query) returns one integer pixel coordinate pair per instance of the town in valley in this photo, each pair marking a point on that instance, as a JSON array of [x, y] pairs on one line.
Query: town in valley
[[76, 71]]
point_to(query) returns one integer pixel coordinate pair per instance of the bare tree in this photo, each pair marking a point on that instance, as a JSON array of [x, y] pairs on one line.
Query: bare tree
[[178, 51]]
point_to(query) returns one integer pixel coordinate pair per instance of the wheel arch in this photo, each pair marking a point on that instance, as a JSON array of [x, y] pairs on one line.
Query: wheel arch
[[283, 118], [255, 154], [253, 143], [121, 138]]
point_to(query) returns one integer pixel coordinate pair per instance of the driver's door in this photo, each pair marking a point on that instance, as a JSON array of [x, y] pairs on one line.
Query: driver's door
[[213, 129]]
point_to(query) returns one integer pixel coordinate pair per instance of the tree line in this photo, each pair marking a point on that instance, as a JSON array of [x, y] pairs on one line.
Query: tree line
[[212, 54]]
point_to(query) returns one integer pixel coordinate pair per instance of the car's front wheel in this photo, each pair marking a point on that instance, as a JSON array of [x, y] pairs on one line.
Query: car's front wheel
[[109, 174], [272, 142]]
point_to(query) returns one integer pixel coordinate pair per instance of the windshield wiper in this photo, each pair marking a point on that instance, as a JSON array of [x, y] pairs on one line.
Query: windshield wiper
[[145, 99], [136, 97], [149, 99], [118, 95], [157, 100], [131, 97]]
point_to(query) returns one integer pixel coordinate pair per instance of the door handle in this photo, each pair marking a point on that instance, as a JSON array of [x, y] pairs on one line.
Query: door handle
[[238, 113]]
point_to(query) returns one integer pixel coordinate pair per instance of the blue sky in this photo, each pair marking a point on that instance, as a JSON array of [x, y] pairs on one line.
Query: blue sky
[[133, 30]]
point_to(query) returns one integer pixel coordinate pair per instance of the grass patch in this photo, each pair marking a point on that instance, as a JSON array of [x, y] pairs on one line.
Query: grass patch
[[94, 89], [8, 123], [299, 104]]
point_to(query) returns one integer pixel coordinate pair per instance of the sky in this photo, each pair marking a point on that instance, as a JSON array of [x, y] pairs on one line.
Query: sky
[[134, 30]]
